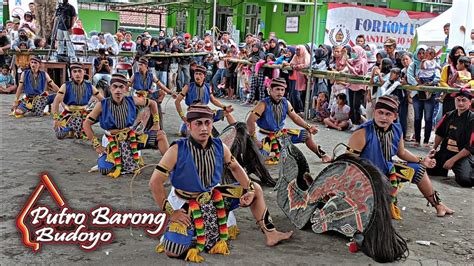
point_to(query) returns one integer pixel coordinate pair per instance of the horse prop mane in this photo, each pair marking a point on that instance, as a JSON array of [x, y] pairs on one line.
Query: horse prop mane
[[349, 196], [242, 147]]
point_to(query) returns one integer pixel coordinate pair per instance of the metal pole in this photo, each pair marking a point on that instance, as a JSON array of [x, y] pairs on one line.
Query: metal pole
[[308, 86], [214, 22]]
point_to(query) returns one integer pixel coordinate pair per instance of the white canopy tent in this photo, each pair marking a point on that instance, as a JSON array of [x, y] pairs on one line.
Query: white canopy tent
[[431, 33], [459, 15]]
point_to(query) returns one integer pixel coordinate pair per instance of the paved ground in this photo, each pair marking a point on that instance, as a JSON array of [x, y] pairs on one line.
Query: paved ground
[[29, 148]]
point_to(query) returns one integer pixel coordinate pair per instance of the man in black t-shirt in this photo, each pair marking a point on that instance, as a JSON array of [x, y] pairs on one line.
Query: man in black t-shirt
[[455, 139], [65, 21], [4, 45], [103, 65]]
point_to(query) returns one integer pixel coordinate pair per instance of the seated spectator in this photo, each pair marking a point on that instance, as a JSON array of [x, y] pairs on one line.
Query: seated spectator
[[320, 109], [103, 67], [23, 39], [7, 83], [339, 118]]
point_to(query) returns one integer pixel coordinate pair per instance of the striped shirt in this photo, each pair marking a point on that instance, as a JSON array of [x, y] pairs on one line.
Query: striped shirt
[[204, 160], [386, 141], [119, 112], [277, 109], [78, 90]]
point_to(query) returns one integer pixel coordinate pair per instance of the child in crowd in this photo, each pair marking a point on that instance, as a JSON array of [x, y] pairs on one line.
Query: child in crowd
[[320, 109], [339, 118], [244, 75], [462, 77], [7, 83], [428, 67]]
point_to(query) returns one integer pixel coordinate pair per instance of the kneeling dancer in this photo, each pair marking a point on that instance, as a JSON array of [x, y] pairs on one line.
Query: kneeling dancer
[[33, 82], [270, 115], [194, 166], [381, 138], [116, 115], [75, 95]]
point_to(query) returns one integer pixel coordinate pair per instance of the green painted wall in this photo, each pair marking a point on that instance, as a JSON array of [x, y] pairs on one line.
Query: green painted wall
[[276, 22], [90, 19]]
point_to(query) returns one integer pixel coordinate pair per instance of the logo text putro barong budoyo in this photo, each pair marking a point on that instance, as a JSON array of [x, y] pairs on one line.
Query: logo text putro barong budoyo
[[87, 229]]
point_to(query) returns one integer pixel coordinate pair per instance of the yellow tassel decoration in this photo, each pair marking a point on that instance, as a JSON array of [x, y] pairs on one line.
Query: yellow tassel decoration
[[395, 212], [115, 173], [233, 232], [160, 248], [19, 116], [220, 247], [193, 255]]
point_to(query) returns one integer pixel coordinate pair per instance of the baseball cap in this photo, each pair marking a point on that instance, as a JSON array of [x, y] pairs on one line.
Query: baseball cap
[[390, 42], [16, 21]]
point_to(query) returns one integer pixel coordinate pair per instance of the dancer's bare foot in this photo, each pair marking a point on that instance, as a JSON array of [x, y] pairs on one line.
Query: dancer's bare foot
[[442, 210], [326, 159], [274, 237]]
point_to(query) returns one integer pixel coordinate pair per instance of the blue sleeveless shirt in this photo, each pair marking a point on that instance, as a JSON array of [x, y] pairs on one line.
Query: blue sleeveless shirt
[[185, 175], [373, 148], [138, 81], [107, 120], [267, 121], [40, 87], [70, 97], [193, 95]]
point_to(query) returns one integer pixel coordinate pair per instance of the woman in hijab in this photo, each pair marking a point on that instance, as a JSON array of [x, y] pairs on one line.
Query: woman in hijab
[[327, 53], [300, 61], [381, 54], [274, 48], [357, 65], [319, 63], [423, 102], [448, 71]]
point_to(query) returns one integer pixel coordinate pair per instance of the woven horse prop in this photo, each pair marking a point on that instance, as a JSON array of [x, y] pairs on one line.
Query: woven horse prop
[[349, 196], [242, 147]]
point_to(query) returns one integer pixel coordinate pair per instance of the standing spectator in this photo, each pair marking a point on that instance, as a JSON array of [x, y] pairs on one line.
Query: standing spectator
[[423, 102], [447, 72], [410, 131], [162, 63], [446, 32], [338, 63], [219, 76], [14, 30], [371, 52], [127, 45], [184, 74], [65, 23], [357, 65], [273, 47], [300, 61], [390, 46]]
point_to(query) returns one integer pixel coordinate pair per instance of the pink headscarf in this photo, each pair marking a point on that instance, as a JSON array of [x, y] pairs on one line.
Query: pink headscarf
[[358, 66], [302, 58]]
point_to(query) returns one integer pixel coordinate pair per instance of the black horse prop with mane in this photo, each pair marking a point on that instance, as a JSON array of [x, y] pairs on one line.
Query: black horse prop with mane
[[242, 147], [350, 196]]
